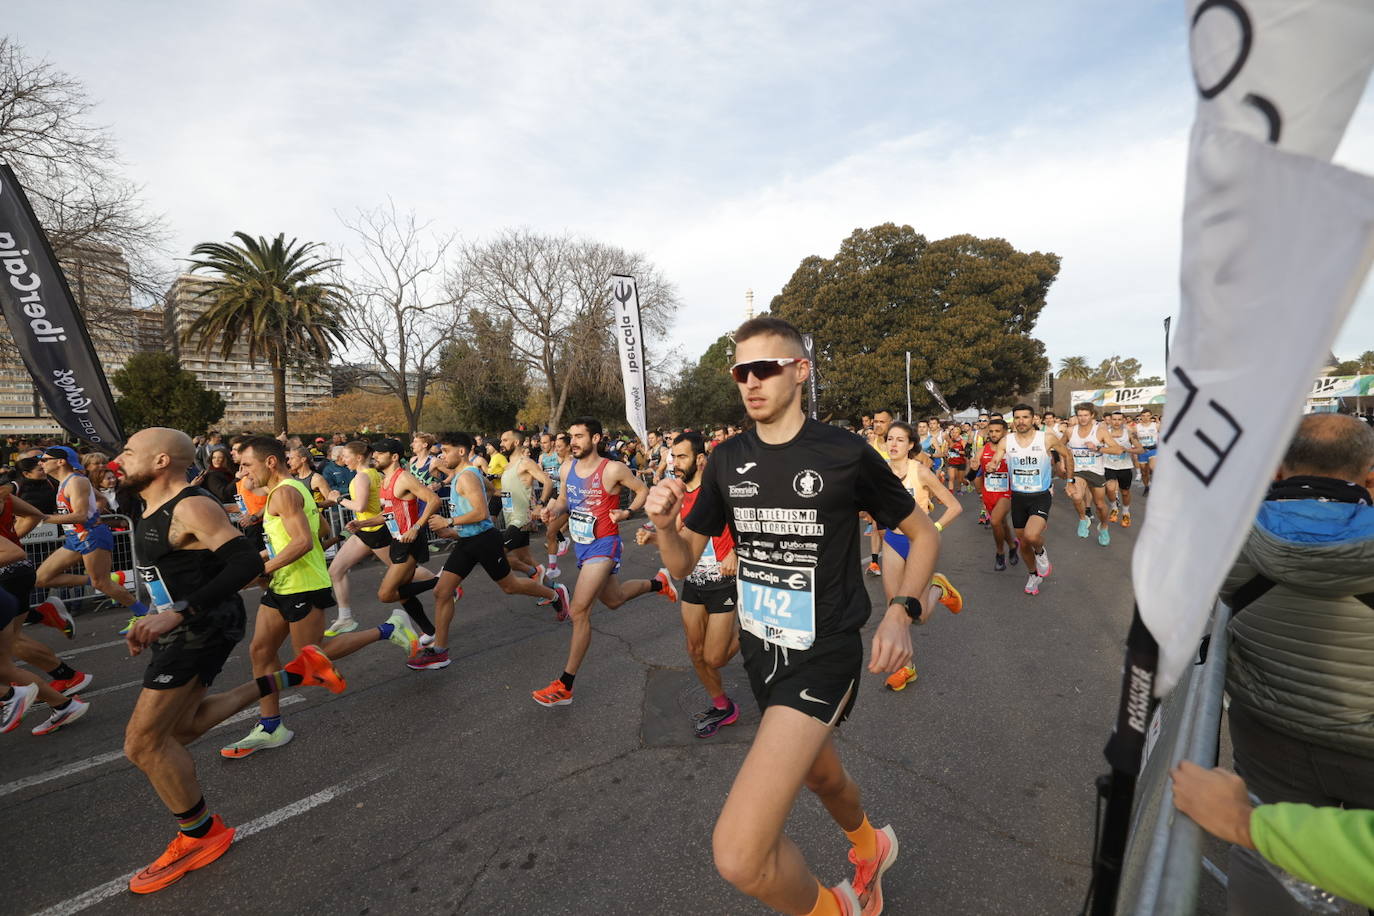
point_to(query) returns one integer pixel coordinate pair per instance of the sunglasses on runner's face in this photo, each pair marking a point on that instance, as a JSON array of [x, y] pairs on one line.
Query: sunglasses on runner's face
[[761, 369]]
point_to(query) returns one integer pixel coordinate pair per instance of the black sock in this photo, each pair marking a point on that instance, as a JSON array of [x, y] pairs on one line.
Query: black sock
[[195, 823], [62, 706], [277, 681], [416, 610], [411, 589], [567, 679], [1040, 552], [62, 672], [874, 556], [655, 585]]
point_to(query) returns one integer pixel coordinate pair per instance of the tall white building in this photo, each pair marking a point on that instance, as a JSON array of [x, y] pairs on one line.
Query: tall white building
[[246, 389]]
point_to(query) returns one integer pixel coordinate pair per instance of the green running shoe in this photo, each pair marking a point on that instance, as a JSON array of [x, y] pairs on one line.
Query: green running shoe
[[405, 634], [341, 626], [256, 740]]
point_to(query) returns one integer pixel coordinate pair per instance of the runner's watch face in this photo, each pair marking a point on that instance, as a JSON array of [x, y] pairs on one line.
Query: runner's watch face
[[912, 606]]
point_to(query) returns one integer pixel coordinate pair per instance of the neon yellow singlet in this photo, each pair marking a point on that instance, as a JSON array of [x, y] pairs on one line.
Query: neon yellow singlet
[[374, 496], [309, 573]]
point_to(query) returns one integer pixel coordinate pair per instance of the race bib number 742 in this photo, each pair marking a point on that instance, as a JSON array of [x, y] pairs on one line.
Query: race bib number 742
[[778, 603]]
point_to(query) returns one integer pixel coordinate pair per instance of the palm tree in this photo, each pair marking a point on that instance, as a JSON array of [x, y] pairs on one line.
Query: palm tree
[[1074, 367], [271, 297]]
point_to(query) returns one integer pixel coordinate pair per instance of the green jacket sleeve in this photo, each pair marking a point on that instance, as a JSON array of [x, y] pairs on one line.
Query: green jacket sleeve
[[1332, 848]]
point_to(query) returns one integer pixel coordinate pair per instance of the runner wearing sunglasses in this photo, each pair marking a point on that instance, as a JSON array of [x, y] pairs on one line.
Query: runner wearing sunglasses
[[791, 489]]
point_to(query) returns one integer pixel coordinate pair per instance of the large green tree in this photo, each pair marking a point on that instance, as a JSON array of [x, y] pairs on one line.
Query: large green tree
[[271, 298], [704, 394], [963, 306], [486, 387], [155, 391]]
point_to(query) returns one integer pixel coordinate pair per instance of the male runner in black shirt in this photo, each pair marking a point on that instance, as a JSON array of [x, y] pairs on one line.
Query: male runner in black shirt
[[195, 562], [791, 490]]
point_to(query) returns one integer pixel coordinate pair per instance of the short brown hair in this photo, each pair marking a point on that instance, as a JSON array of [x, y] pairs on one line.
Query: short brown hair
[[778, 327], [359, 447]]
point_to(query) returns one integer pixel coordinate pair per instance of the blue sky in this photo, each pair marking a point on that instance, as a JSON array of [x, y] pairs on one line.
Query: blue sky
[[726, 141]]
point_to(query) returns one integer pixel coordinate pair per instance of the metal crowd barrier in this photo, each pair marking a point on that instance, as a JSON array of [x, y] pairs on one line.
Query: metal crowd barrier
[[44, 540], [1164, 853]]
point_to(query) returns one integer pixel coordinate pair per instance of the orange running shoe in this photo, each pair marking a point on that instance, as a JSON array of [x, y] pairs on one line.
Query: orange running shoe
[[54, 613], [553, 695], [1113, 516], [665, 582], [183, 854], [316, 669], [901, 677], [949, 595], [868, 873], [1126, 520]]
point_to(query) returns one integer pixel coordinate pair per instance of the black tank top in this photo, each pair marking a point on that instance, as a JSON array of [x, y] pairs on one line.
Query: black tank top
[[185, 571]]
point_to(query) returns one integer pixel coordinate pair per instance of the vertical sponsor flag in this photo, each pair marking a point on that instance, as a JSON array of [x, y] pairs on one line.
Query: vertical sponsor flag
[[1276, 243], [939, 398], [630, 343], [48, 329], [810, 344]]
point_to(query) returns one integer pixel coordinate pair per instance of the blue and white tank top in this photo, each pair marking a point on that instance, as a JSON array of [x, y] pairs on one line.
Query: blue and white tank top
[[1121, 462], [460, 505], [1086, 450], [1031, 471]]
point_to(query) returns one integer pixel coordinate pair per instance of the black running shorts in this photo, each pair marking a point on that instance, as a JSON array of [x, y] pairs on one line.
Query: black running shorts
[[18, 579], [1122, 476], [377, 538], [1025, 505], [486, 549], [417, 550], [297, 606], [515, 538], [187, 652], [717, 598], [821, 681]]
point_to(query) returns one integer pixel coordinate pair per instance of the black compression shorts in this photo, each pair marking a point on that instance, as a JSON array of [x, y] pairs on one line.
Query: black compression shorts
[[1123, 476], [417, 550], [1025, 505], [718, 598], [486, 549]]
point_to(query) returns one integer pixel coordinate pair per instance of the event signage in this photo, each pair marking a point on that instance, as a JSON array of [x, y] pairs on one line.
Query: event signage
[[47, 327], [626, 329]]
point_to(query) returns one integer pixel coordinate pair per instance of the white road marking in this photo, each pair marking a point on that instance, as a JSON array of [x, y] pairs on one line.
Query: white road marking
[[120, 885], [101, 759], [86, 695], [99, 645]]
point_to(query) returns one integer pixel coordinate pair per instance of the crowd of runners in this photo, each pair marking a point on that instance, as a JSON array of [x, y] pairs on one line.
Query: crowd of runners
[[761, 527]]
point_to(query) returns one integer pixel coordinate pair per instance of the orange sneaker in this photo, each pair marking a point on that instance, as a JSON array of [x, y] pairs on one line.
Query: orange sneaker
[[665, 583], [949, 595], [1126, 520], [553, 695], [1113, 516], [868, 873], [316, 669], [898, 679], [183, 854]]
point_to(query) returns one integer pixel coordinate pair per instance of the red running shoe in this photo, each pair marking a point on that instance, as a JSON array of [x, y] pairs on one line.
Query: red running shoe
[[316, 670], [184, 854]]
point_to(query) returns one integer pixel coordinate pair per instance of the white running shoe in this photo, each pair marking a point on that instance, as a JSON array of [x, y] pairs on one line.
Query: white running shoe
[[551, 573], [256, 740], [341, 626], [426, 640], [1033, 585], [13, 709], [1042, 564], [60, 717]]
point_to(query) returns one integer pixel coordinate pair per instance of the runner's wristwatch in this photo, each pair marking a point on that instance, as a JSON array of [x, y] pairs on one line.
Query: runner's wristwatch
[[912, 606]]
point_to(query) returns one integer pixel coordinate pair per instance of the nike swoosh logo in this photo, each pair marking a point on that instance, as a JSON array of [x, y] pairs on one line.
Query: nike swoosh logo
[[805, 695], [746, 468]]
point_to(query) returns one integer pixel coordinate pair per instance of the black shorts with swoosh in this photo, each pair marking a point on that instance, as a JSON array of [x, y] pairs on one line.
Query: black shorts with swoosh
[[822, 681]]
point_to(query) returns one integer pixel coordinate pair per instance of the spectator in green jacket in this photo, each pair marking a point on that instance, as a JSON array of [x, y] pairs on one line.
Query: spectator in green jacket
[[1332, 848]]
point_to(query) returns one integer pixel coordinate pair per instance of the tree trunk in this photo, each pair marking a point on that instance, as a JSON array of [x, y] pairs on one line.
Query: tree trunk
[[278, 396]]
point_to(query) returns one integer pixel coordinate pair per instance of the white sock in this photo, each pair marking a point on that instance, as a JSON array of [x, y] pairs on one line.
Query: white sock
[[345, 613], [553, 562]]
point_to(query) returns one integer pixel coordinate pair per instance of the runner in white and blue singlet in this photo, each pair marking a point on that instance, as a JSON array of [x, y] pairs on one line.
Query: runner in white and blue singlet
[[1029, 455]]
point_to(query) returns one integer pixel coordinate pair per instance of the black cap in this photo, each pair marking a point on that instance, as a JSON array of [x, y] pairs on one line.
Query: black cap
[[393, 446]]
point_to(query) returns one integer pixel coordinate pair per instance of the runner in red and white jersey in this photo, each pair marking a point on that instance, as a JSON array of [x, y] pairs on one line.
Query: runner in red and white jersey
[[995, 484]]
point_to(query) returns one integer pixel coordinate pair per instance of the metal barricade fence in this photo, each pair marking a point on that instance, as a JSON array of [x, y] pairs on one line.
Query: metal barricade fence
[[1163, 860], [44, 540]]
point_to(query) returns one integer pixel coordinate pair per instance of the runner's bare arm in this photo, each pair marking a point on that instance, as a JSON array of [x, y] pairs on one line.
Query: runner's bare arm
[[1107, 444], [286, 503], [558, 506], [892, 641], [79, 492], [679, 550], [942, 495], [532, 468], [410, 485], [363, 490], [622, 474], [1054, 444], [470, 490], [1135, 448]]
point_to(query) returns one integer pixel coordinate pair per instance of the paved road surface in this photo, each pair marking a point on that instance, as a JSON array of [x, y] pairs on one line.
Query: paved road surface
[[452, 792]]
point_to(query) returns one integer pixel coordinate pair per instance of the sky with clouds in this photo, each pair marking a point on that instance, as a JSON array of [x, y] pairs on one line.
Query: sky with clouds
[[726, 141]]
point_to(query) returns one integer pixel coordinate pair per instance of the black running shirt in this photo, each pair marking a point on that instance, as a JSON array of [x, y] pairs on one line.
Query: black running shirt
[[794, 512]]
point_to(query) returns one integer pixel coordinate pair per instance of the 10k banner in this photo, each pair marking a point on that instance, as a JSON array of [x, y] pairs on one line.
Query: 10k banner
[[47, 327]]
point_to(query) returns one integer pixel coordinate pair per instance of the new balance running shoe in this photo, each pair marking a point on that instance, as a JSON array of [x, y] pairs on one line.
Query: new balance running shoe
[[53, 613], [184, 854], [868, 873], [71, 686], [715, 719], [404, 632], [259, 739], [898, 679], [429, 657], [665, 581], [949, 595], [13, 709], [316, 669], [340, 626], [1084, 527], [1033, 584], [553, 695], [75, 709]]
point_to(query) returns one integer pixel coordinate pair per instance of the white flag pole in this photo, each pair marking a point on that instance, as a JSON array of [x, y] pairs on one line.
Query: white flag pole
[[908, 386]]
